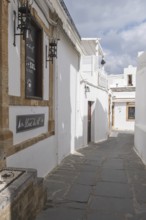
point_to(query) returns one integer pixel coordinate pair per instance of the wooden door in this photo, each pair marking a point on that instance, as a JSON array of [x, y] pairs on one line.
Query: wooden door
[[89, 121], [113, 118]]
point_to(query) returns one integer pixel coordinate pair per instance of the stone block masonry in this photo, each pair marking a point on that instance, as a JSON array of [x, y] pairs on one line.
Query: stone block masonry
[[24, 197]]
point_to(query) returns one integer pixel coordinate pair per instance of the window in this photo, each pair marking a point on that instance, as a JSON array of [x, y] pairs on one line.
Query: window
[[129, 83], [33, 77], [130, 111]]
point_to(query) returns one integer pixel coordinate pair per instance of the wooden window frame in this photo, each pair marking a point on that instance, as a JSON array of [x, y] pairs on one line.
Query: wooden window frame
[[129, 80], [128, 105]]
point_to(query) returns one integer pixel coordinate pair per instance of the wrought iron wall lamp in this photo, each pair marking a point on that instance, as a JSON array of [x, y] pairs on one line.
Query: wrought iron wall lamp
[[52, 51], [24, 18], [103, 61], [87, 89]]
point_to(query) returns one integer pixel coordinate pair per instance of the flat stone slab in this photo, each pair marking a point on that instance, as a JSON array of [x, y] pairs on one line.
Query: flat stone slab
[[140, 192], [137, 176], [102, 216], [74, 205], [87, 168], [139, 217], [87, 178], [95, 161], [56, 190], [79, 193], [114, 176], [7, 176], [114, 164], [111, 205], [61, 214], [110, 189]]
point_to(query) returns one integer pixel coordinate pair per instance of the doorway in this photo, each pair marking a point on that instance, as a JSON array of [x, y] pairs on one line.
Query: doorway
[[89, 120], [113, 118]]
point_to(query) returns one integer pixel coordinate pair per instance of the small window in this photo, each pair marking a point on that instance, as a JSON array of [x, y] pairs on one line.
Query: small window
[[34, 61], [129, 80], [130, 111]]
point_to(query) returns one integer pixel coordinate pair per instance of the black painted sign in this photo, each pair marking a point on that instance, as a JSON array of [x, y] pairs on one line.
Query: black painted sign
[[31, 61], [29, 122]]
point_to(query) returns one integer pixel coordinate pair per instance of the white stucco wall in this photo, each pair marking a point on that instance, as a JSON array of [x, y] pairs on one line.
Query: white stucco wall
[[115, 80], [140, 116], [120, 121], [41, 156], [101, 116], [13, 55], [130, 70], [81, 118], [98, 96], [124, 95], [66, 87], [120, 80]]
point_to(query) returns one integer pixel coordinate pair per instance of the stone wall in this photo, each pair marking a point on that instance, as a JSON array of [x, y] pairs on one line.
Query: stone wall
[[23, 198], [5, 134]]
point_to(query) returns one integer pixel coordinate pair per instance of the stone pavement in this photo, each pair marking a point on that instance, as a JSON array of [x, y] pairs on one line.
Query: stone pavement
[[105, 181]]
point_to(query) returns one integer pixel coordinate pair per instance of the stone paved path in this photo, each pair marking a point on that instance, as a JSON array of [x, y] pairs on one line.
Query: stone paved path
[[105, 181]]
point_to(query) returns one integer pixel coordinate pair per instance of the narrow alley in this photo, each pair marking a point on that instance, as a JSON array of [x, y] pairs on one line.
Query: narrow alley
[[105, 181]]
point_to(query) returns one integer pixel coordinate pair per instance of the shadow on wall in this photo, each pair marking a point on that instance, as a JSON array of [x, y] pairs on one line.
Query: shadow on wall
[[64, 114], [101, 122], [82, 129], [99, 125], [68, 67]]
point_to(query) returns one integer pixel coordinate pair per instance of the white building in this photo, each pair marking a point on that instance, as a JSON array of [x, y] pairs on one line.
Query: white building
[[140, 116], [122, 99], [94, 104], [53, 114]]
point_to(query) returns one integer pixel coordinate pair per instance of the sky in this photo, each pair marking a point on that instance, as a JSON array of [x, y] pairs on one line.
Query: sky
[[121, 25]]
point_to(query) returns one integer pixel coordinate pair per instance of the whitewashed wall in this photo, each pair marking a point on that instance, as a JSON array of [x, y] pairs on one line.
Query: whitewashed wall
[[81, 117], [140, 120], [13, 55], [101, 116], [132, 71], [99, 108], [120, 80], [124, 95], [66, 88], [120, 120], [121, 97], [115, 80], [41, 156]]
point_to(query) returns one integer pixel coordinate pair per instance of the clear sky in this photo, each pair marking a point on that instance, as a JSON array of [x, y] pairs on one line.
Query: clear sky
[[121, 25]]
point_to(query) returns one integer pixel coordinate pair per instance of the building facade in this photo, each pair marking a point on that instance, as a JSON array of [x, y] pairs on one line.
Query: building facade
[[140, 118], [53, 93], [122, 99], [45, 105]]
